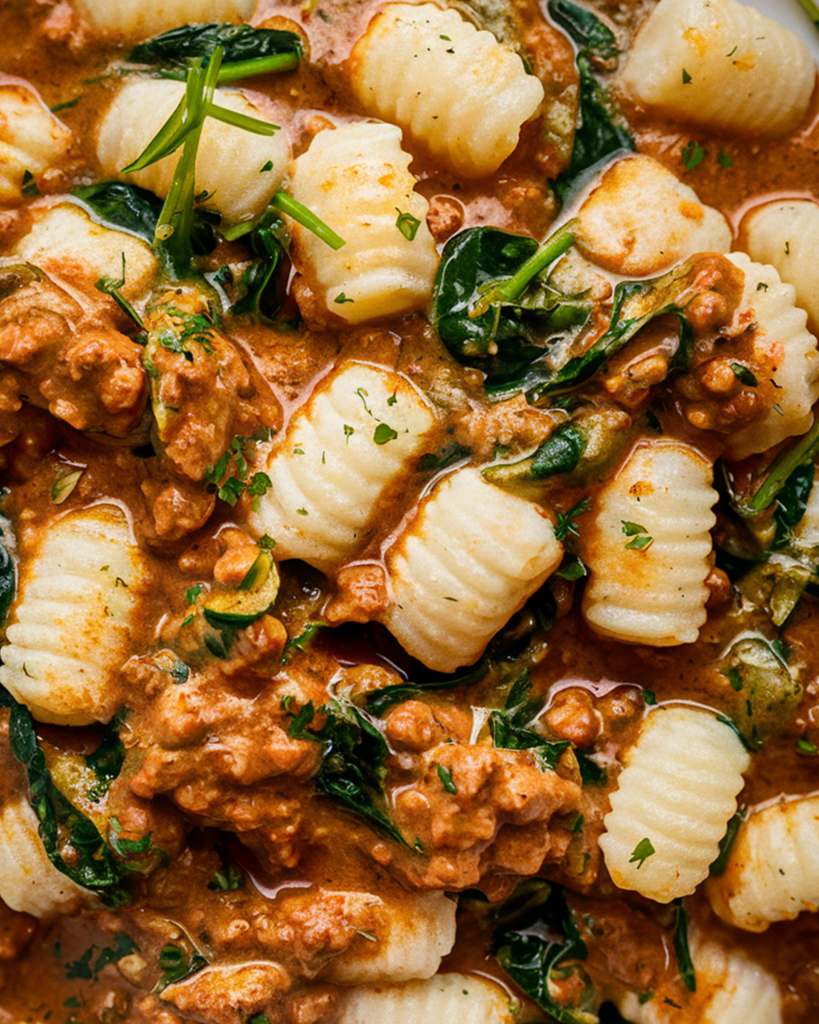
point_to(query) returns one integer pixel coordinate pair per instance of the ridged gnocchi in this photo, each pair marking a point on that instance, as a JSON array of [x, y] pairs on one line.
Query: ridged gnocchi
[[456, 90], [356, 179], [66, 242], [773, 869], [31, 138], [230, 162], [721, 64], [71, 622], [407, 941], [640, 219], [135, 19], [29, 882], [786, 235], [445, 999], [648, 547], [464, 564], [731, 989], [342, 452], [675, 796], [780, 337]]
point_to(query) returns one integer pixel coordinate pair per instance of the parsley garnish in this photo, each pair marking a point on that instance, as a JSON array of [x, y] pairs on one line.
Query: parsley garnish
[[692, 156], [445, 775], [384, 433], [566, 520], [642, 851], [407, 225]]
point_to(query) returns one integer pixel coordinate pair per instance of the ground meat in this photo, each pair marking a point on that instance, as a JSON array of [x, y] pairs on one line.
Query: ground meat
[[176, 506], [69, 359], [476, 809], [16, 932], [229, 995], [204, 393], [362, 594], [484, 427]]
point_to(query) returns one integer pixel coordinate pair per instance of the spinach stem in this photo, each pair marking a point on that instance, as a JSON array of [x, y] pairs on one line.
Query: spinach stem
[[276, 64], [783, 465], [549, 251], [812, 10], [287, 204]]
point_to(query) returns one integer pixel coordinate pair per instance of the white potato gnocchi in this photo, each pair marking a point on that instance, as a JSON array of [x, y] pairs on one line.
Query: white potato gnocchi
[[136, 19], [786, 235], [66, 242], [721, 64], [356, 179], [456, 90], [731, 989], [640, 219], [445, 999], [773, 869], [230, 162], [464, 564], [71, 622], [780, 338], [648, 547], [31, 138], [29, 882], [675, 796], [342, 452], [411, 935]]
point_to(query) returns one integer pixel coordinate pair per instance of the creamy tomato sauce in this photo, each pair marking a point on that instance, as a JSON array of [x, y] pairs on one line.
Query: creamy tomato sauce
[[249, 862]]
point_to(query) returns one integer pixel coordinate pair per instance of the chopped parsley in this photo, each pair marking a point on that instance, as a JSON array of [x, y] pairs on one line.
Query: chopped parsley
[[642, 851], [407, 225]]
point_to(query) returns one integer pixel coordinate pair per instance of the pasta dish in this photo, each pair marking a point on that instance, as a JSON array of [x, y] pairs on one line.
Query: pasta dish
[[409, 547]]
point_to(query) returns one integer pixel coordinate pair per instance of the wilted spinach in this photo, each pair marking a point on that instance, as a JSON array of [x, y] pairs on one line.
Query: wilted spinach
[[510, 729], [107, 759], [175, 966], [257, 50], [352, 767], [598, 134], [534, 940], [7, 582], [62, 826]]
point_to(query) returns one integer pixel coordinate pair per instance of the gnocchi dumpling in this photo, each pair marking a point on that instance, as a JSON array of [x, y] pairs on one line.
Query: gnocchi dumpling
[[731, 989], [721, 64], [342, 452], [465, 563], [29, 882], [648, 547], [456, 90], [780, 339], [356, 179], [66, 242], [408, 938], [445, 999], [773, 868], [71, 622], [136, 19], [31, 138], [786, 235], [676, 794], [640, 219], [231, 164]]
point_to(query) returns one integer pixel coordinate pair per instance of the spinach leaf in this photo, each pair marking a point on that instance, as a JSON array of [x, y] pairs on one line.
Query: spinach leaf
[[175, 966], [726, 843], [510, 730], [61, 824], [380, 701], [268, 243], [791, 503], [262, 50], [530, 956], [682, 950], [124, 207], [132, 209], [598, 135], [107, 759], [559, 453], [352, 768], [85, 970], [7, 582], [491, 306]]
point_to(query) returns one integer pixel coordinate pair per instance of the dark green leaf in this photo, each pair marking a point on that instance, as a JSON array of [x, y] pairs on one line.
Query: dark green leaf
[[61, 824], [380, 701], [692, 156], [384, 433], [791, 503], [407, 225], [124, 207], [108, 758], [7, 582], [530, 957], [506, 735], [681, 949], [726, 843], [744, 375], [598, 134], [590, 771], [642, 851], [241, 43], [559, 453], [445, 775], [176, 967], [227, 879]]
